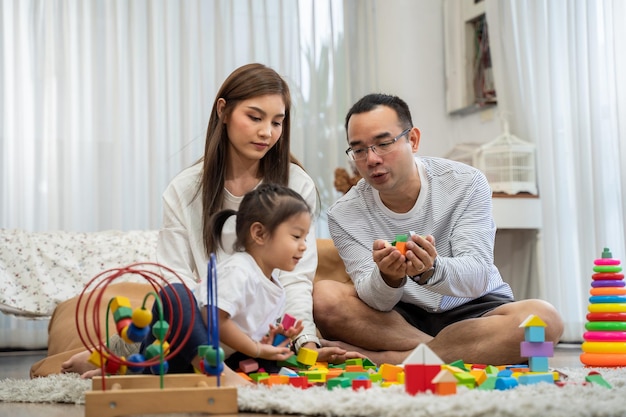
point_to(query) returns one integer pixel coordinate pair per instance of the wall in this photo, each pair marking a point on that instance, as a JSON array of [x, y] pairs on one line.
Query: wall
[[411, 54]]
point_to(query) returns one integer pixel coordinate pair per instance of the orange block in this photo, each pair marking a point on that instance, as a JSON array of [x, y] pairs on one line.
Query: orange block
[[390, 372], [445, 388], [401, 246], [334, 373]]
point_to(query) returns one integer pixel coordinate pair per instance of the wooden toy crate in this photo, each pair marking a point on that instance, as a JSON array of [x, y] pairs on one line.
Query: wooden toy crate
[[509, 164]]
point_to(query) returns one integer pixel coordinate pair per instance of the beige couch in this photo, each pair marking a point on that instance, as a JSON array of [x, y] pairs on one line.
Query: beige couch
[[63, 339]]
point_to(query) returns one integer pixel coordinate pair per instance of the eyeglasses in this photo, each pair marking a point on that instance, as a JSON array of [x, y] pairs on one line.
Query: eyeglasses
[[379, 149]]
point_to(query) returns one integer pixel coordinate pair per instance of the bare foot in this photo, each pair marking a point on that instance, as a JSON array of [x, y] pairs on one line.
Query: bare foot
[[79, 364], [231, 379], [378, 357]]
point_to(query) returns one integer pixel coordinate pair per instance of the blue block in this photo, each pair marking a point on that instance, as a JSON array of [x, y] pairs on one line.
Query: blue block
[[528, 379], [538, 364], [506, 382], [535, 334]]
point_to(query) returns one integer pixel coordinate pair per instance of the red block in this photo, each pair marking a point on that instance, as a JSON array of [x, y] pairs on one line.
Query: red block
[[299, 381], [418, 378], [361, 383]]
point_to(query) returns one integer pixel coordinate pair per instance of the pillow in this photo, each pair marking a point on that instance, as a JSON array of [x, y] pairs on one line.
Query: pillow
[[329, 263], [63, 337]]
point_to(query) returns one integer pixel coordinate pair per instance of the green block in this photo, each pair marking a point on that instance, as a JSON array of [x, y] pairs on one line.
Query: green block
[[375, 377], [489, 383], [339, 382], [355, 361], [292, 362], [257, 376], [597, 379], [368, 364], [465, 378], [492, 370], [355, 375], [122, 313], [460, 364], [402, 238]]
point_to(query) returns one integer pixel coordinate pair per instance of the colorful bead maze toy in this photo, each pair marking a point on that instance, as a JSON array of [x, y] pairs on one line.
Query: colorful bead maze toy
[[605, 339], [122, 395]]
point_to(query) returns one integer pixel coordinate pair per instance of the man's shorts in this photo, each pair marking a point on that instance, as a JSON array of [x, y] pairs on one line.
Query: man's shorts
[[433, 323]]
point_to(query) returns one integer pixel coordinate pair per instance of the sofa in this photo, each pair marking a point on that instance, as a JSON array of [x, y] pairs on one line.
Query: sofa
[[43, 274]]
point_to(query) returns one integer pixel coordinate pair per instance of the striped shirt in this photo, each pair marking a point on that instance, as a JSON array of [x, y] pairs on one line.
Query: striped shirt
[[454, 205]]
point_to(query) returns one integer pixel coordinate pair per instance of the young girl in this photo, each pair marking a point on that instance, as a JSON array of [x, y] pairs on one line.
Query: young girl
[[247, 142], [272, 224]]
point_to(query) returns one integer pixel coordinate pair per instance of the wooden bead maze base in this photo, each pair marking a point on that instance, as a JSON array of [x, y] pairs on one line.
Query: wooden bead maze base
[[142, 394]]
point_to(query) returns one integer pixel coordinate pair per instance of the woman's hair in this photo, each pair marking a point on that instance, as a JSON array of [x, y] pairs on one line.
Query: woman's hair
[[269, 204], [246, 82]]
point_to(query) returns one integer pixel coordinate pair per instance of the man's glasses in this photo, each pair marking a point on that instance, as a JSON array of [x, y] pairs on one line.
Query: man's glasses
[[379, 149]]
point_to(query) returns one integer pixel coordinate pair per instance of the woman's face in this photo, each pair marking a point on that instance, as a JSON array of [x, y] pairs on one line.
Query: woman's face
[[255, 125]]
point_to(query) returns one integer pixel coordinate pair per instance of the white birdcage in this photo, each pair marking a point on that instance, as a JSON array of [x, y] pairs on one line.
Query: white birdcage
[[463, 152], [508, 162]]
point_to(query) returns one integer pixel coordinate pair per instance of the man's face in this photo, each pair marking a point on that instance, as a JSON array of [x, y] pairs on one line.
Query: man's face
[[379, 128]]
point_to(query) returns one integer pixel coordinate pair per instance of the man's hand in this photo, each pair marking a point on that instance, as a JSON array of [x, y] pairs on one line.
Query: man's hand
[[420, 254], [333, 354], [391, 263]]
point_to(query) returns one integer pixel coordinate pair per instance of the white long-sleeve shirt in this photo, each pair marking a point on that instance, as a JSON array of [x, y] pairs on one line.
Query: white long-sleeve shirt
[[181, 244], [454, 205]]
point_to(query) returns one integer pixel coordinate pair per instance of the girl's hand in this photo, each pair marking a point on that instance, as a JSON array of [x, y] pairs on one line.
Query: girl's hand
[[276, 353], [293, 331]]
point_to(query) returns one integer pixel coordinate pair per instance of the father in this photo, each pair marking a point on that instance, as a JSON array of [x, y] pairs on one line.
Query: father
[[445, 291]]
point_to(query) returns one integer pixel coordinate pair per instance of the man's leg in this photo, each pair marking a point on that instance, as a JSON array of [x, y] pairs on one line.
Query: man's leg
[[347, 322], [385, 337], [495, 338]]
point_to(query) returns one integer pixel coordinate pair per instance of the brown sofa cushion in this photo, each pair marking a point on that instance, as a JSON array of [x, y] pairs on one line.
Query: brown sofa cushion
[[63, 339]]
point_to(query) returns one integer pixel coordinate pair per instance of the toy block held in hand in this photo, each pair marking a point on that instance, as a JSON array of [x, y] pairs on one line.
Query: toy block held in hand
[[307, 356]]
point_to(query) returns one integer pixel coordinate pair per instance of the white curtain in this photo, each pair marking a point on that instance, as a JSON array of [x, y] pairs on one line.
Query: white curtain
[[559, 67], [102, 102]]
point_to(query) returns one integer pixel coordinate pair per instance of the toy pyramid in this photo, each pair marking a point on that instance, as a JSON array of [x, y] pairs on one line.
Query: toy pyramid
[[605, 339]]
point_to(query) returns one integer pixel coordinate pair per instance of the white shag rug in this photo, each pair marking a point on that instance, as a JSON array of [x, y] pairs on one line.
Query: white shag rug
[[542, 399]]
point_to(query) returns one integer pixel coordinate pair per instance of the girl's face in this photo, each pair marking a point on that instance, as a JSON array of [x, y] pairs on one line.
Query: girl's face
[[287, 245], [254, 126]]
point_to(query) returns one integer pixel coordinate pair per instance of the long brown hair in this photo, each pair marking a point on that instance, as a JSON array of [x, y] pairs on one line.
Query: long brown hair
[[248, 81]]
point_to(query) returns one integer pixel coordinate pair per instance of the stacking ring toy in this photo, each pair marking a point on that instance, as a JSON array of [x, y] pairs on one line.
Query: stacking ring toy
[[603, 360], [606, 275], [607, 268], [602, 336], [607, 291], [606, 316], [608, 283], [607, 308], [604, 347], [606, 326], [603, 299], [606, 261]]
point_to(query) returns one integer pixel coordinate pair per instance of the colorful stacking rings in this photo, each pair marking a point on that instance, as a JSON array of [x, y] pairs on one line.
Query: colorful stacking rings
[[607, 308], [606, 326], [603, 360], [602, 336], [604, 347]]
